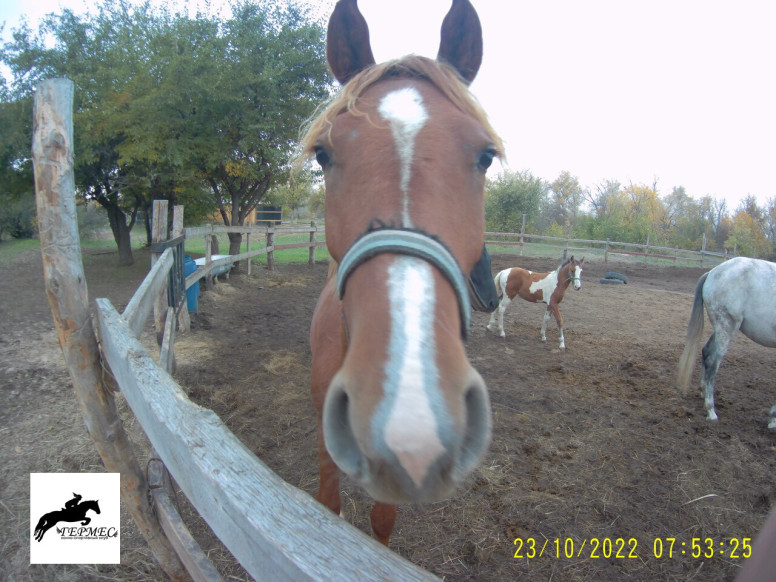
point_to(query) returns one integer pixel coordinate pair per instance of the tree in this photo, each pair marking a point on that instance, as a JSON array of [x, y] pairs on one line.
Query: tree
[[746, 236], [510, 196], [600, 199], [294, 193], [166, 105], [770, 226], [17, 200], [566, 196]]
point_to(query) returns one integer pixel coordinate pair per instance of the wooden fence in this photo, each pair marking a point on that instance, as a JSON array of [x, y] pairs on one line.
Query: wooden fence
[[251, 234], [276, 531], [605, 248]]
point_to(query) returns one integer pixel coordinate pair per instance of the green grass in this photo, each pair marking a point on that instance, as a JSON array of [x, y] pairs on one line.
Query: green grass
[[11, 250], [196, 248]]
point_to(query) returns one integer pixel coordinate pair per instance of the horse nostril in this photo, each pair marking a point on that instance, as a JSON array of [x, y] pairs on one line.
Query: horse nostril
[[478, 426], [338, 431]]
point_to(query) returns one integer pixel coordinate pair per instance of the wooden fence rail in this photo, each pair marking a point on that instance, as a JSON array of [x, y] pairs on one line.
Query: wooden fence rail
[[276, 531], [605, 247]]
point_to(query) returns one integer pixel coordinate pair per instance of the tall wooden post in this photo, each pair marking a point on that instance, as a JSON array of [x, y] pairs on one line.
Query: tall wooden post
[[248, 249], [703, 249], [184, 319], [522, 235], [311, 260], [63, 274], [270, 252], [209, 238], [159, 234]]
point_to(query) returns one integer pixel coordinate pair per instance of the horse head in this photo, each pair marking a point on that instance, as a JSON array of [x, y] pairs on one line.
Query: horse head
[[404, 149], [575, 272]]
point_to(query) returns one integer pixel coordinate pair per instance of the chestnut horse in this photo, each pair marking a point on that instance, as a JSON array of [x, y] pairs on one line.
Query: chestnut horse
[[546, 288], [404, 149]]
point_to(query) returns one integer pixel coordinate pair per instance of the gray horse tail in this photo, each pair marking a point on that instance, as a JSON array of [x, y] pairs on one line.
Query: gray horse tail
[[693, 340]]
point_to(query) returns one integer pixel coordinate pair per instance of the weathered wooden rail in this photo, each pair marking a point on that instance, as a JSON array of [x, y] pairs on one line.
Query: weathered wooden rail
[[604, 248], [267, 232], [277, 532]]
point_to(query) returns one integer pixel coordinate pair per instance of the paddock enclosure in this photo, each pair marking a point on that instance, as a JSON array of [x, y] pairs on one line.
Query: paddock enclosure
[[596, 463], [591, 443]]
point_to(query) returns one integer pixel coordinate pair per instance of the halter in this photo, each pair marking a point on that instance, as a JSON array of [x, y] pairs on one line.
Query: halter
[[412, 243], [569, 278]]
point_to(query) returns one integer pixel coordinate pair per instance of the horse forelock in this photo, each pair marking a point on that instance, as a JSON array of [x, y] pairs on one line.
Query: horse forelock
[[440, 75]]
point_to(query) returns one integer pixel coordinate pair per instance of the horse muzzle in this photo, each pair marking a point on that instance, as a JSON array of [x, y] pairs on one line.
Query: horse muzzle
[[406, 456]]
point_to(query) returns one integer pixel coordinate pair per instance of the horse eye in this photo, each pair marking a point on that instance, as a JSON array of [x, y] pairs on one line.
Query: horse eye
[[322, 157], [486, 159]]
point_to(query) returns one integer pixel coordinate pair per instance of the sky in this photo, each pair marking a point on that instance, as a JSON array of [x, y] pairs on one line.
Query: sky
[[672, 92]]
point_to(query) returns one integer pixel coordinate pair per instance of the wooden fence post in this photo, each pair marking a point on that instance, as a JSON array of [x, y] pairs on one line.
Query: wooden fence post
[[248, 248], [159, 234], [522, 235], [646, 252], [52, 151], [311, 261], [270, 253], [184, 319], [606, 252], [703, 248], [208, 254]]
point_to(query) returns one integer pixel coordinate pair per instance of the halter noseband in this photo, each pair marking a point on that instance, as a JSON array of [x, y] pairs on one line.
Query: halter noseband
[[412, 243]]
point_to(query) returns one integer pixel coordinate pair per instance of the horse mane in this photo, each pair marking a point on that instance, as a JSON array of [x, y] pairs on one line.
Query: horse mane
[[566, 262], [441, 75]]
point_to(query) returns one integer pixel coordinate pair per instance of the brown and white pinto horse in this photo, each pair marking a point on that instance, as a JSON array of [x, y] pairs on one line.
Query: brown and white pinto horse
[[546, 288], [404, 149]]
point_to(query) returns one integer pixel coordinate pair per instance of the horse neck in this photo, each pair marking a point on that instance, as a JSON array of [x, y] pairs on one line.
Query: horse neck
[[564, 280]]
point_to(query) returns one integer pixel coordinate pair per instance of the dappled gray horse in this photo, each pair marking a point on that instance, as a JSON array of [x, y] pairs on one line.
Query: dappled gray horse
[[738, 294]]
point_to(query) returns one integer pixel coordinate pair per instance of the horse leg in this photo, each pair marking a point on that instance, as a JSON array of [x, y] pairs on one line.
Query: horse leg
[[42, 527], [544, 323], [712, 355], [502, 307], [559, 319], [328, 486], [382, 518]]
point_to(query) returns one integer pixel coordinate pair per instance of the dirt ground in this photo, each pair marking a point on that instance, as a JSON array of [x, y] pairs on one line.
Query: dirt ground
[[593, 443]]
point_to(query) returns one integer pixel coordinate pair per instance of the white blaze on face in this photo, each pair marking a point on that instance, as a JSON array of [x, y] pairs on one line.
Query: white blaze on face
[[411, 429], [404, 111]]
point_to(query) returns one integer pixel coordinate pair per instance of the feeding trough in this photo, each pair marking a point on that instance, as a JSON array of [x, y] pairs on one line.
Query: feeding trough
[[218, 269]]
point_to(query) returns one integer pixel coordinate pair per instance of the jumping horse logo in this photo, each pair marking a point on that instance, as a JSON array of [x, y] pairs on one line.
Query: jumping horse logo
[[74, 510]]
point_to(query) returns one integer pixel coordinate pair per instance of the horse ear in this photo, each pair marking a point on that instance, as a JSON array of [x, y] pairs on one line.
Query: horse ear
[[461, 44], [347, 41]]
